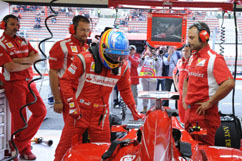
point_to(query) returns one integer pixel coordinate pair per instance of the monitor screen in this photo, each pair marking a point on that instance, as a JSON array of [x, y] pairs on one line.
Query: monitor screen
[[166, 29]]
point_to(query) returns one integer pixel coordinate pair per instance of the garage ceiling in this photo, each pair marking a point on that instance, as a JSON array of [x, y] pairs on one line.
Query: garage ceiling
[[73, 3]]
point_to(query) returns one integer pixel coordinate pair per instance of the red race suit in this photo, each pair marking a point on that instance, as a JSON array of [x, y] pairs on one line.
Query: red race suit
[[207, 70], [17, 92], [61, 55], [90, 101]]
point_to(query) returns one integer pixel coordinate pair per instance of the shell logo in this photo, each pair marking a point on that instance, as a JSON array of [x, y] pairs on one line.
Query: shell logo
[[128, 158]]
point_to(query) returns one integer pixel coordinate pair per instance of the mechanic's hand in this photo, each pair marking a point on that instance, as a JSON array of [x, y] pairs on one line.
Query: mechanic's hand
[[201, 110], [137, 115], [58, 107], [185, 106], [75, 112]]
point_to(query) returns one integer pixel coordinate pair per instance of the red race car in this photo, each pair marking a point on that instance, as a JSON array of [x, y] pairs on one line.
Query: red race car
[[160, 137]]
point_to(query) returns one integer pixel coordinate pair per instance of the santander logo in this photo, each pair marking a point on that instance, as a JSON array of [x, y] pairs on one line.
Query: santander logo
[[127, 158]]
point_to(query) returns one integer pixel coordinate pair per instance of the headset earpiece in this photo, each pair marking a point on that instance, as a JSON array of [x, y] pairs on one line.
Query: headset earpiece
[[3, 25], [203, 34], [72, 29]]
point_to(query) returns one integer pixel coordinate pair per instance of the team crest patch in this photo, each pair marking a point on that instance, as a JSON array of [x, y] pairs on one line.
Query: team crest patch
[[74, 49], [92, 67], [201, 62], [71, 104], [10, 45]]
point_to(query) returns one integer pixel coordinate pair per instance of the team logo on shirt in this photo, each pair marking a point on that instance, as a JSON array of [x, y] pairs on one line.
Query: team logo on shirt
[[74, 49], [92, 67], [201, 62], [10, 45]]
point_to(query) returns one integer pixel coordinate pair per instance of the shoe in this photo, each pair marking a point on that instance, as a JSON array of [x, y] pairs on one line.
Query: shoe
[[27, 155], [13, 151]]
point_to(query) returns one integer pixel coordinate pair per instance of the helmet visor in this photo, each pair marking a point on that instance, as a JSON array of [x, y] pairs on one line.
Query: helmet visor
[[115, 58]]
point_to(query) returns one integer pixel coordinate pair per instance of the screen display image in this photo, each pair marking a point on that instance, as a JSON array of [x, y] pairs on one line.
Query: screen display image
[[166, 29]]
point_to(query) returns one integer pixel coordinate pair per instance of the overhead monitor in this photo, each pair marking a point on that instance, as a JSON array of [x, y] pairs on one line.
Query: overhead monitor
[[166, 29]]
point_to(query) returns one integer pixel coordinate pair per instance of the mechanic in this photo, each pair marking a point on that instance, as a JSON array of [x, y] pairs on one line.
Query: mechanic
[[97, 72], [16, 59], [209, 80], [179, 73], [133, 65], [61, 56]]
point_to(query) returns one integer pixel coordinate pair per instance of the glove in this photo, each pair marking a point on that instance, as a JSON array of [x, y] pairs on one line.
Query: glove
[[136, 114], [74, 111]]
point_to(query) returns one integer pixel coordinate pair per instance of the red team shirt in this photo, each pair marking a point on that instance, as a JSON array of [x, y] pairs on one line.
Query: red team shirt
[[16, 47], [207, 70], [63, 52]]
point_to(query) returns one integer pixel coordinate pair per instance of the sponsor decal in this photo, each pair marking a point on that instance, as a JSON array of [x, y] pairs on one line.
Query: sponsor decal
[[71, 70], [71, 104], [71, 111], [52, 58], [23, 43], [196, 74], [183, 159], [87, 103], [201, 62], [73, 66], [74, 49], [128, 158], [101, 80], [10, 45], [69, 99]]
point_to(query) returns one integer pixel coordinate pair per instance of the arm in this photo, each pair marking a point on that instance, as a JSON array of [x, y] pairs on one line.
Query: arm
[[66, 85], [222, 91], [165, 59], [15, 67], [54, 84], [124, 88], [134, 62], [175, 79], [184, 93], [27, 60]]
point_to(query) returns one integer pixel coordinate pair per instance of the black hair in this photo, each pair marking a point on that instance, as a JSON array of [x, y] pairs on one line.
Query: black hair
[[5, 19], [201, 26], [79, 18]]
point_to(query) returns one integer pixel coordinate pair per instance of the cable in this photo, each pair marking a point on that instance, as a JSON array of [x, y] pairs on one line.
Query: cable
[[222, 35], [29, 84], [236, 55]]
